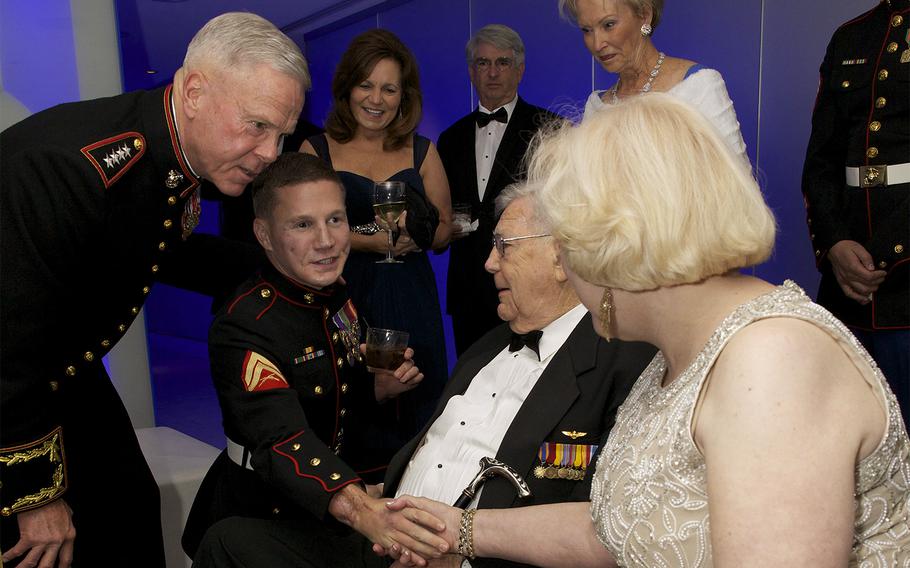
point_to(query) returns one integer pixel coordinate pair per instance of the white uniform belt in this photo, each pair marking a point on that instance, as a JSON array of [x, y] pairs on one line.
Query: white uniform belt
[[882, 175], [237, 453]]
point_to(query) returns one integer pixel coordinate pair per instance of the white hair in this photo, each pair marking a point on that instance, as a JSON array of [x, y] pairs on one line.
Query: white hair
[[243, 38]]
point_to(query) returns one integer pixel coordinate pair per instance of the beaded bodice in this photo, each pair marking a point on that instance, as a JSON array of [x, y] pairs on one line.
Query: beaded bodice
[[649, 500]]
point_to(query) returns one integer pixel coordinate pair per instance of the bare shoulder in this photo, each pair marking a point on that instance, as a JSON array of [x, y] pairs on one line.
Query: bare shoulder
[[307, 148], [792, 372]]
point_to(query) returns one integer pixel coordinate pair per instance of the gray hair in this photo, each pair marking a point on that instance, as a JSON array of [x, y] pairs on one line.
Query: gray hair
[[242, 38], [568, 9], [517, 191], [500, 37]]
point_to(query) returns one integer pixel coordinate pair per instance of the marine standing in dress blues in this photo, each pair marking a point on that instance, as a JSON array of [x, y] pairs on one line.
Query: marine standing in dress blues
[[856, 183]]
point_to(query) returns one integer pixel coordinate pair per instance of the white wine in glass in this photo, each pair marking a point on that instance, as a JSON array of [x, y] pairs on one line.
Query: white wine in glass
[[388, 204]]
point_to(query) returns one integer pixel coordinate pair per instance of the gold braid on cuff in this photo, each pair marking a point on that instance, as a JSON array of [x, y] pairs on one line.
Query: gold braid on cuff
[[466, 534]]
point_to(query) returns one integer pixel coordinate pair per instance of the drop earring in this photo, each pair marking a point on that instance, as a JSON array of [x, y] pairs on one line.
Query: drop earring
[[606, 313]]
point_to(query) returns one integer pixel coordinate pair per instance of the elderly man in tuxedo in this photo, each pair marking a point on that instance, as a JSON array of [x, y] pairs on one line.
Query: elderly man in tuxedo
[[482, 154], [539, 393]]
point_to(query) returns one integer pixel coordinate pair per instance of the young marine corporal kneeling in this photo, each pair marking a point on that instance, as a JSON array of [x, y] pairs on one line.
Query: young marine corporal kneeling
[[288, 367]]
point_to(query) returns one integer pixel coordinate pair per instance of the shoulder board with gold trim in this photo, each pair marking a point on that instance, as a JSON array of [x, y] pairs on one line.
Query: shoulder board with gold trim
[[113, 156]]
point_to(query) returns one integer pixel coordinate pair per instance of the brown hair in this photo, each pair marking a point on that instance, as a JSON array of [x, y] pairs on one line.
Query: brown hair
[[358, 61], [291, 168]]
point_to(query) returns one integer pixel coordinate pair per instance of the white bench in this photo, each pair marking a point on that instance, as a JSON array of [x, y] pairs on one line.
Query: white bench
[[178, 462]]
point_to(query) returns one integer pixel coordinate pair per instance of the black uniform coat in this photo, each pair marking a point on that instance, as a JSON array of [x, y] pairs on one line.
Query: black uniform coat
[[862, 118], [291, 391], [470, 289], [95, 195], [578, 392]]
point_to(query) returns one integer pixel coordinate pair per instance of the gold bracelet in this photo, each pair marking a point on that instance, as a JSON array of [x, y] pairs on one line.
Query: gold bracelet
[[466, 534]]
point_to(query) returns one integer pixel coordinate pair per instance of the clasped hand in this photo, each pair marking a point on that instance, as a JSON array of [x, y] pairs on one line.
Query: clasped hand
[[446, 521], [854, 270]]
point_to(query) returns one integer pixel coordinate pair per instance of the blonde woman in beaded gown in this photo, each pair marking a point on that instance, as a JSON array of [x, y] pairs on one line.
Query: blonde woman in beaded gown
[[762, 433]]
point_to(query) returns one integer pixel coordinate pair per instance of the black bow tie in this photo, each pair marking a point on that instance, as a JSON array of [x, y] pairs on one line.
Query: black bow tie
[[530, 339], [484, 118]]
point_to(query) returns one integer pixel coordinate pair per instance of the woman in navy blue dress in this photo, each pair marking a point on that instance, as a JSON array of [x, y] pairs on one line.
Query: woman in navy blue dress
[[370, 136]]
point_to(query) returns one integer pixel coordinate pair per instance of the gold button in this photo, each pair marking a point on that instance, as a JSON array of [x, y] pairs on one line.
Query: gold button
[[872, 152], [325, 312], [898, 248], [892, 47], [896, 21], [340, 362], [172, 200], [137, 143], [162, 245], [342, 412], [265, 293], [308, 298], [812, 236], [134, 310], [317, 390], [335, 337], [168, 223], [315, 461], [5, 511], [89, 356], [105, 343], [881, 102], [295, 446], [818, 253], [344, 387], [883, 264], [154, 268], [145, 290], [121, 328], [845, 84], [71, 371], [875, 126], [54, 385], [335, 476], [883, 74], [276, 511]]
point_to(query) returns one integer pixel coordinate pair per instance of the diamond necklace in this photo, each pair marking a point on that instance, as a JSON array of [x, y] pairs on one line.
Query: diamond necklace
[[651, 76]]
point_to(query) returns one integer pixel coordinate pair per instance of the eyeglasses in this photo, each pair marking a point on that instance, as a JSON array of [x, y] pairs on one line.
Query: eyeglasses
[[499, 242], [502, 63]]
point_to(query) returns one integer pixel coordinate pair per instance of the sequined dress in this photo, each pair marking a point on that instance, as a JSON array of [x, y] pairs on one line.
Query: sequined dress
[[649, 499]]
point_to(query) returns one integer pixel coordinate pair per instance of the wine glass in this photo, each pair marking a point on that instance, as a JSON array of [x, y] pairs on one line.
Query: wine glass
[[388, 204]]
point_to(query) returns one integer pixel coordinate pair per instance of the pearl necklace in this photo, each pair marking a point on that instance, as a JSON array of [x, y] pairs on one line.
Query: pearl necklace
[[647, 87]]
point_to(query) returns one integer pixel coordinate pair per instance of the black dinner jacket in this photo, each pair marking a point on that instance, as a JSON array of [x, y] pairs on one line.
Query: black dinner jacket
[[469, 285], [579, 391]]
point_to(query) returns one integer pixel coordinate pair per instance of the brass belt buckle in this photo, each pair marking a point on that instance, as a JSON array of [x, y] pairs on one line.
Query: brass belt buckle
[[872, 176]]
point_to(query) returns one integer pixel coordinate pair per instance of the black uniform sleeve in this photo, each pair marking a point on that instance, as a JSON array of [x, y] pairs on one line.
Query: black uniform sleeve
[[823, 171], [262, 413]]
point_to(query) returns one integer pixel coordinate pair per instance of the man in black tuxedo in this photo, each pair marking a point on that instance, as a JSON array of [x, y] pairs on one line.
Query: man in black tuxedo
[[482, 153], [539, 393]]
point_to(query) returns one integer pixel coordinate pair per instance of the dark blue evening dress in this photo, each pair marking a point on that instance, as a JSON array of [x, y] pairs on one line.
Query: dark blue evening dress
[[395, 296]]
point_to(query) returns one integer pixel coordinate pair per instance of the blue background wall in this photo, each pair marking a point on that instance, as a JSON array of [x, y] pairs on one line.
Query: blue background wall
[[767, 50]]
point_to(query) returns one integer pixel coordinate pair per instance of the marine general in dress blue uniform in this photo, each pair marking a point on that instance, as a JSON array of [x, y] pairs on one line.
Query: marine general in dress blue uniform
[[98, 199]]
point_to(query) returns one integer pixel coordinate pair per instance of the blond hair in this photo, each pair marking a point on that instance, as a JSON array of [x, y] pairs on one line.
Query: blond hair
[[645, 194], [242, 38], [568, 9]]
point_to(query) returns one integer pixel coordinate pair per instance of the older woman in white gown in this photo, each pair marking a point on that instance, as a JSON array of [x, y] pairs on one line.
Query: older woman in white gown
[[618, 34], [762, 434]]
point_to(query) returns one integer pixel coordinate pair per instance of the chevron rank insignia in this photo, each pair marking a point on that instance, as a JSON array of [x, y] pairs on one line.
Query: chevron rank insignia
[[260, 374], [113, 156]]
